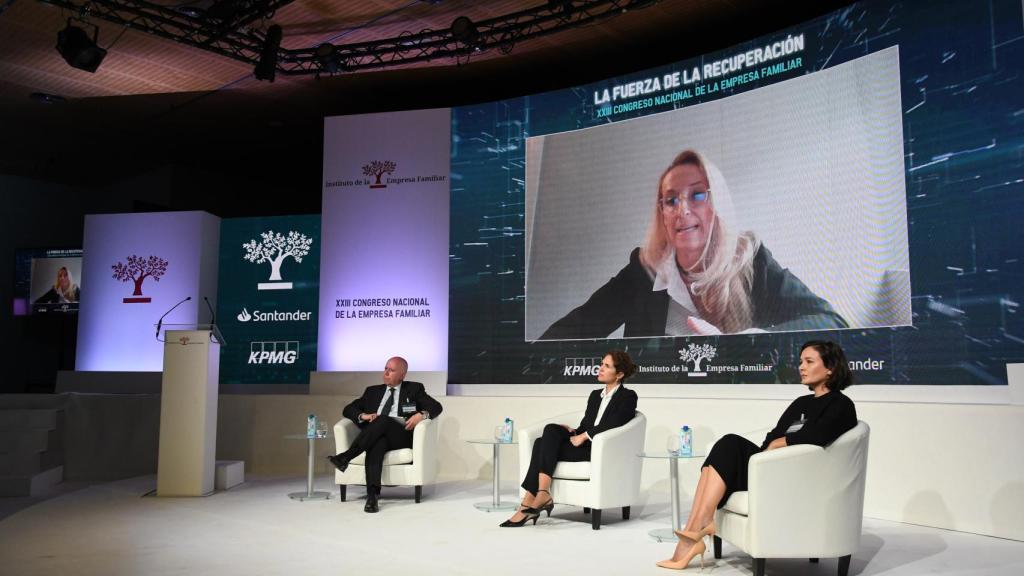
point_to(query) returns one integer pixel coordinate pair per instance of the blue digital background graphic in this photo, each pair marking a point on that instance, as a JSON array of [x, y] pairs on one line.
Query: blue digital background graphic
[[961, 65]]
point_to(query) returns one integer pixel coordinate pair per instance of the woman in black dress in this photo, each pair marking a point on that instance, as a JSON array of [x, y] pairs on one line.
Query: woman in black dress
[[818, 418], [608, 407]]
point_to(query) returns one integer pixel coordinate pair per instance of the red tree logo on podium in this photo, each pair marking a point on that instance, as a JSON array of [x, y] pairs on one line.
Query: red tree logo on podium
[[137, 270], [378, 168]]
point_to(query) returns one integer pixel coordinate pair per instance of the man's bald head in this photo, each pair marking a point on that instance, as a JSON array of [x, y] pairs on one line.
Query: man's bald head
[[394, 370]]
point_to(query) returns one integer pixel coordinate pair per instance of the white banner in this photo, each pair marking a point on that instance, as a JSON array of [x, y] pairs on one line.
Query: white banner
[[139, 266], [384, 256]]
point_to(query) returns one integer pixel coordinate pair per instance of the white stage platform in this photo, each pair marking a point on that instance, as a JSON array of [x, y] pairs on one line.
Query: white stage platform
[[112, 529]]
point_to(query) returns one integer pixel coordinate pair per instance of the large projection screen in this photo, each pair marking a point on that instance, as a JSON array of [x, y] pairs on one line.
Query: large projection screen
[[866, 150], [814, 166]]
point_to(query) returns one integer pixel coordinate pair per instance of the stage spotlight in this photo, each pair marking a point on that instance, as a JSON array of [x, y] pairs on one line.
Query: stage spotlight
[[327, 56], [78, 50], [463, 30], [564, 5], [266, 68], [224, 11]]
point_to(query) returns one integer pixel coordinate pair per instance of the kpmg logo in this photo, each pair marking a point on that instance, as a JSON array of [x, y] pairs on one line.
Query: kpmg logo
[[273, 316], [379, 168], [582, 366], [137, 269], [273, 248], [279, 352], [697, 353]]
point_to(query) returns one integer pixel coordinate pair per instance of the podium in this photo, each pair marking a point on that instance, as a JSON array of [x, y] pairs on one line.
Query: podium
[[188, 410]]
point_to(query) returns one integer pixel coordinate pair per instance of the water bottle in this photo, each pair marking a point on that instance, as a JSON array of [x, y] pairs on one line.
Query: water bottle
[[507, 436], [311, 426], [685, 441]]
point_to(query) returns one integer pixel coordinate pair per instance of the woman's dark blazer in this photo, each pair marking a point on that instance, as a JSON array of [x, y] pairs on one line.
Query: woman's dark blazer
[[621, 409], [781, 303]]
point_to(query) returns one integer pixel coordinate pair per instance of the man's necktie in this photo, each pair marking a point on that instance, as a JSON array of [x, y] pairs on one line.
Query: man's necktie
[[388, 403]]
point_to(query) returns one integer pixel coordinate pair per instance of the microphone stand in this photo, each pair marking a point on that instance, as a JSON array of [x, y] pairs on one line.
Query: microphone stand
[[160, 322]]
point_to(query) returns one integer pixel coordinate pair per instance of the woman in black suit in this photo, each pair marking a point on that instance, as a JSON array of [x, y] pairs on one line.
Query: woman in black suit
[[607, 408], [697, 274], [817, 418], [64, 290]]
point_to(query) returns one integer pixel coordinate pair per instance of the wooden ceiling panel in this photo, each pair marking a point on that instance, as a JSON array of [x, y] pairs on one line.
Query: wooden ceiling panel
[[138, 63]]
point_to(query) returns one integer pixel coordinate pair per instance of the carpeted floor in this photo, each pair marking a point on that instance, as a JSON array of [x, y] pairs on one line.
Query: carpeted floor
[[112, 529]]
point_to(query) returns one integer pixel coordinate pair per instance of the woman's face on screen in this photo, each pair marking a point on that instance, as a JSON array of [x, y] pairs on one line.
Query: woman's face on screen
[[686, 213], [62, 278]]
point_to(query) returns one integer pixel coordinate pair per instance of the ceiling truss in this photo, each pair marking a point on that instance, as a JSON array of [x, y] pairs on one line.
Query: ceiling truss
[[237, 30]]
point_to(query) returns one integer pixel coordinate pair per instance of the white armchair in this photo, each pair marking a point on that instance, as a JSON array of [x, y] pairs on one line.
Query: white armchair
[[612, 477], [802, 501], [414, 466]]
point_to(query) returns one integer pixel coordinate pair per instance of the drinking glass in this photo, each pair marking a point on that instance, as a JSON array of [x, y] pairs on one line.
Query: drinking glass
[[321, 429], [672, 444], [499, 433]]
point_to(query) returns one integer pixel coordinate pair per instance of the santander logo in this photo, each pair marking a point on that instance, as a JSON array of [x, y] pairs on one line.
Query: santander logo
[[274, 316]]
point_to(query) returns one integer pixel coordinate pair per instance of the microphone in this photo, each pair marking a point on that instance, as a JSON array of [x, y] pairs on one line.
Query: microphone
[[213, 315], [160, 322]]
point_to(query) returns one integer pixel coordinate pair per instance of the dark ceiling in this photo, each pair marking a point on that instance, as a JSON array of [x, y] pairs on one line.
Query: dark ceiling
[[154, 103]]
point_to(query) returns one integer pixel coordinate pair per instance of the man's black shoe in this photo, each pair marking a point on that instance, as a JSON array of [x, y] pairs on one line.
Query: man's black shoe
[[340, 463], [371, 505]]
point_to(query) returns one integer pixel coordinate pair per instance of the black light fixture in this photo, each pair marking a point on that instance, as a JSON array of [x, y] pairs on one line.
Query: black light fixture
[[465, 31], [223, 11], [564, 5], [78, 50], [266, 68], [327, 56]]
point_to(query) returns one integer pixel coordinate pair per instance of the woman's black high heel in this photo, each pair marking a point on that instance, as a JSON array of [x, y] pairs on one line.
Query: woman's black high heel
[[547, 507], [528, 514]]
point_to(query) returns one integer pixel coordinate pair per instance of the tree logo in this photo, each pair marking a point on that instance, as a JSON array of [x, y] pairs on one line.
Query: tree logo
[[137, 269], [696, 353], [378, 168], [274, 248]]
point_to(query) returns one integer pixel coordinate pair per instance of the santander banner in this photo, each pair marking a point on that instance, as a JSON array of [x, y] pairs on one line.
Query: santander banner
[[269, 275], [143, 264], [384, 255]]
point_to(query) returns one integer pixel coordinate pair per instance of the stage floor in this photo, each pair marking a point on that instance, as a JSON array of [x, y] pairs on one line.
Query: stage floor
[[113, 529]]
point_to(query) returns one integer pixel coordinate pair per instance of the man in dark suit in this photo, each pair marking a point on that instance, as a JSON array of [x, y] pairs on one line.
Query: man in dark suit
[[386, 415]]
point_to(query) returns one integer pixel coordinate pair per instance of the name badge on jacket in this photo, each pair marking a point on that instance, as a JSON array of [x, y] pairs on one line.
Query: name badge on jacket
[[796, 426], [407, 409]]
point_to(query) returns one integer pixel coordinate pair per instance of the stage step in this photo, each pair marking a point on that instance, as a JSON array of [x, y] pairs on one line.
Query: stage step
[[31, 450], [28, 463], [26, 439], [20, 419], [31, 485]]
